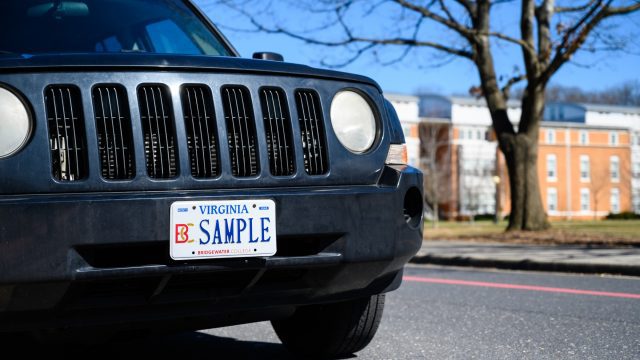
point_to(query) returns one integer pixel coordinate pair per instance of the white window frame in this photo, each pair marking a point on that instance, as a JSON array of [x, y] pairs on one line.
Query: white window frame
[[583, 137], [552, 200], [552, 173], [635, 169], [615, 194], [585, 194], [461, 132], [551, 136], [615, 172], [584, 159], [614, 138]]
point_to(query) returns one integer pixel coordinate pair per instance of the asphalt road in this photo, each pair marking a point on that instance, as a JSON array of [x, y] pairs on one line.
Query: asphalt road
[[453, 313]]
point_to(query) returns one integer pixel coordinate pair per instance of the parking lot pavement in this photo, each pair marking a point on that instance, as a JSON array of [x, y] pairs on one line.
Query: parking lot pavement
[[443, 313]]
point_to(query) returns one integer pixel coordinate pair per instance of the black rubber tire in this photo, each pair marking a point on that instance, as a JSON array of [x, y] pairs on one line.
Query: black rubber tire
[[331, 330]]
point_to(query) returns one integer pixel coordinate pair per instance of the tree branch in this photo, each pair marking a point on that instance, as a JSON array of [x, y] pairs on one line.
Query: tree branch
[[543, 15], [526, 33], [576, 36], [514, 80], [513, 40], [469, 6], [566, 9], [424, 11], [352, 39]]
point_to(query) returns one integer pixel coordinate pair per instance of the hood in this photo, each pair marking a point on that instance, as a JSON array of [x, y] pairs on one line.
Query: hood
[[144, 61]]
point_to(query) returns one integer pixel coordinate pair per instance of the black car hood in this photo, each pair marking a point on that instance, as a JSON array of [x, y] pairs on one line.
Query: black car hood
[[138, 61]]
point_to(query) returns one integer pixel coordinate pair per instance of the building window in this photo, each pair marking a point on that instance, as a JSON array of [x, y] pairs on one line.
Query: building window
[[584, 138], [615, 200], [614, 164], [636, 169], [461, 131], [613, 138], [585, 171], [552, 167], [551, 136], [585, 199], [469, 134], [479, 134], [552, 199]]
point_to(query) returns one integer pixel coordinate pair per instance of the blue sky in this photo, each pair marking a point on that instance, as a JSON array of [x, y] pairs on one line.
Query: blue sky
[[418, 71]]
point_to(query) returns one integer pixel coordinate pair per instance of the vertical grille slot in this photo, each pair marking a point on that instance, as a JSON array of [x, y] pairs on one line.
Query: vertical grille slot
[[277, 126], [312, 132], [67, 137], [113, 125], [159, 132], [241, 131], [200, 124]]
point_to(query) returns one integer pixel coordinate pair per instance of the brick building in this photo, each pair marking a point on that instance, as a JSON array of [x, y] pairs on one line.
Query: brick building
[[589, 156]]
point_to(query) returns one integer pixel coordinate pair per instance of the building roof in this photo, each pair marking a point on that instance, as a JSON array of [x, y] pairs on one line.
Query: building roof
[[575, 125], [400, 97], [513, 103], [610, 108], [475, 101]]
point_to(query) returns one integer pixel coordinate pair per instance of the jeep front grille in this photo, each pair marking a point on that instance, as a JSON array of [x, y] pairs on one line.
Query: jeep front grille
[[113, 127], [285, 126], [156, 114], [67, 140], [241, 131], [201, 131], [277, 125], [312, 132]]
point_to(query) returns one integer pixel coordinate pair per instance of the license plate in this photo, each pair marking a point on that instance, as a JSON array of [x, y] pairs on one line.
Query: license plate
[[222, 229]]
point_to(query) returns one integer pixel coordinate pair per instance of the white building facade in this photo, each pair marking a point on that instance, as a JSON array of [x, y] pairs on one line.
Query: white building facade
[[477, 168], [625, 117]]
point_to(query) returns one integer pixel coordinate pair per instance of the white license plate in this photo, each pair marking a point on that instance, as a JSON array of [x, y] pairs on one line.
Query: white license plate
[[222, 229]]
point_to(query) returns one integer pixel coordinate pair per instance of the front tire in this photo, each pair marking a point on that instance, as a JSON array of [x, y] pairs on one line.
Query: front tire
[[331, 330]]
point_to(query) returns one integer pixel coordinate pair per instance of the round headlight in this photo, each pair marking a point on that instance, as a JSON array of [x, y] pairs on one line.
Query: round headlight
[[15, 123], [353, 121]]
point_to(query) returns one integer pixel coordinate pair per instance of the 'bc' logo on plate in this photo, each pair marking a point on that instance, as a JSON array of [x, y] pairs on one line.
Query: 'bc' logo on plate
[[182, 233]]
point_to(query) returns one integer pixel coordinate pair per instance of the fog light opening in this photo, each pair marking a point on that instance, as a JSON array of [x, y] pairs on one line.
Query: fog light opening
[[413, 207]]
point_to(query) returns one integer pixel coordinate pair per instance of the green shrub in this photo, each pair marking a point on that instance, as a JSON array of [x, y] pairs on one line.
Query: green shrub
[[627, 215], [484, 217]]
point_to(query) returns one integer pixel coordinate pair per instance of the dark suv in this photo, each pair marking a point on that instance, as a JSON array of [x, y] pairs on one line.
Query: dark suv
[[151, 178]]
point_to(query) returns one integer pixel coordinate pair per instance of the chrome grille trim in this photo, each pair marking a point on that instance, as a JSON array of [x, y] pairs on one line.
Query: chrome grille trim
[[201, 131], [241, 131], [312, 132], [156, 115], [113, 127], [67, 139], [277, 125]]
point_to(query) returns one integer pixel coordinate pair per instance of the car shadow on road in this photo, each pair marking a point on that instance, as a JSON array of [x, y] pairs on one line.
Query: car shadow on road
[[190, 345]]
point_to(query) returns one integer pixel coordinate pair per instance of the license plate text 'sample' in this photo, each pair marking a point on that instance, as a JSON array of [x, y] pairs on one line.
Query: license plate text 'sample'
[[224, 228]]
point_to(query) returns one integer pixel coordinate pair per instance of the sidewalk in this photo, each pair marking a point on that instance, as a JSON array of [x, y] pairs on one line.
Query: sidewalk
[[569, 258]]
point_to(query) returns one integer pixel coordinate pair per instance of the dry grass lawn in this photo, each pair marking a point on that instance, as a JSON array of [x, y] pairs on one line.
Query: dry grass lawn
[[603, 232]]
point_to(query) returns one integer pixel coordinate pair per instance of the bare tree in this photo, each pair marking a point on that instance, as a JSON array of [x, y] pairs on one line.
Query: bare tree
[[549, 35], [435, 163]]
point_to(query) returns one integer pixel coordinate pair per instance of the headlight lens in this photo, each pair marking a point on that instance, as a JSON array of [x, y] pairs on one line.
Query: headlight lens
[[353, 121], [15, 124]]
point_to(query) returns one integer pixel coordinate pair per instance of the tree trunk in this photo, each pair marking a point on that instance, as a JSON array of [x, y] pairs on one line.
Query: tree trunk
[[436, 217], [527, 212]]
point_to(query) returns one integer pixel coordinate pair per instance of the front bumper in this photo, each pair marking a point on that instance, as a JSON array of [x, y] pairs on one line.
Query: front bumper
[[64, 255]]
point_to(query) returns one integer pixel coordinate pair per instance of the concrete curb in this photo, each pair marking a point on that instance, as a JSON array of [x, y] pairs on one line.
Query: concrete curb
[[528, 264]]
